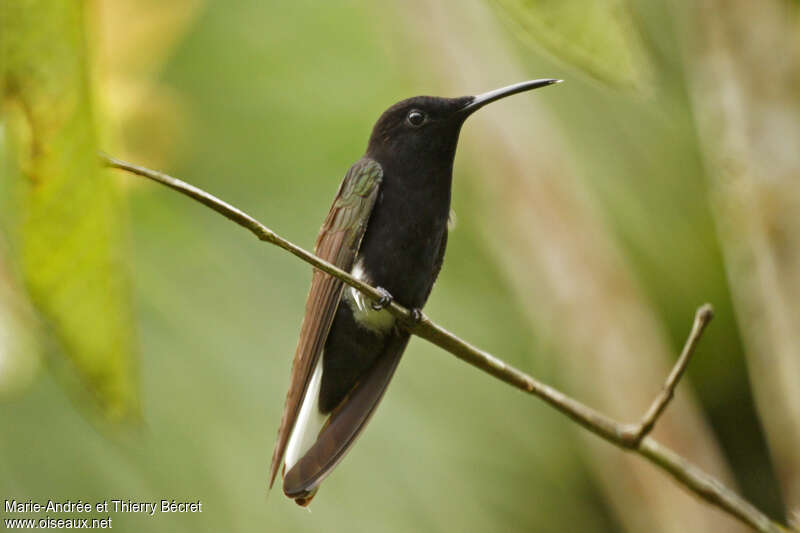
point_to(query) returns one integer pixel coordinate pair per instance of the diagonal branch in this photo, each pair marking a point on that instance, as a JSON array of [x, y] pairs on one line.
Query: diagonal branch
[[631, 437]]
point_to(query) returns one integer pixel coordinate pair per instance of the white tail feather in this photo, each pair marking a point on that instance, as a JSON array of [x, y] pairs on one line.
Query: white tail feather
[[309, 420]]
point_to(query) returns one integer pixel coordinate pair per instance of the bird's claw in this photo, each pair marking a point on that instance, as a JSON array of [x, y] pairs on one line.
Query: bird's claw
[[416, 315], [385, 299]]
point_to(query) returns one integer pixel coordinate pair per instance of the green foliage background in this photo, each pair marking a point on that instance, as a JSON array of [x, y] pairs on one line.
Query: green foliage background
[[273, 102]]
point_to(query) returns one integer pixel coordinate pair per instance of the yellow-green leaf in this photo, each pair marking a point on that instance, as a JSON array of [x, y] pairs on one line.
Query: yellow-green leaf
[[19, 349], [71, 242], [599, 37]]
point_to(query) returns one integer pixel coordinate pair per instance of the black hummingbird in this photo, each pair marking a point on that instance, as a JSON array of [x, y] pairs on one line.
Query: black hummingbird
[[388, 227]]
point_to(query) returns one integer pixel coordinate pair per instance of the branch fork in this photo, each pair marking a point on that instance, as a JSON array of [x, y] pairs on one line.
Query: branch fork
[[631, 436]]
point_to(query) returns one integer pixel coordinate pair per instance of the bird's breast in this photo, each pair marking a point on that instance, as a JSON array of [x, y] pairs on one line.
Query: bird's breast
[[401, 258], [404, 236]]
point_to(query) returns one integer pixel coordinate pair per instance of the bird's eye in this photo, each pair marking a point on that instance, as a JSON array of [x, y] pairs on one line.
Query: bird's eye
[[415, 118]]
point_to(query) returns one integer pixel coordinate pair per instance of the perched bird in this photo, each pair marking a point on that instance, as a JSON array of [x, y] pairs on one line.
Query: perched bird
[[388, 227]]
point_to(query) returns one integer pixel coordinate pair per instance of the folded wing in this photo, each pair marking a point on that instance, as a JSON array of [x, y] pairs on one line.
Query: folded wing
[[337, 243]]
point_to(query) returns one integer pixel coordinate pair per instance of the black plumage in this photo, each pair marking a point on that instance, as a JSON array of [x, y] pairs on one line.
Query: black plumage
[[388, 227]]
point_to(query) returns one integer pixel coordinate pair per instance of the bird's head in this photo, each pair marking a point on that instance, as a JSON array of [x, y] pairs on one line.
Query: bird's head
[[423, 131]]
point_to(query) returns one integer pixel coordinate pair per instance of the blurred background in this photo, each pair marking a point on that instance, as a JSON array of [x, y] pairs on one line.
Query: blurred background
[[146, 342]]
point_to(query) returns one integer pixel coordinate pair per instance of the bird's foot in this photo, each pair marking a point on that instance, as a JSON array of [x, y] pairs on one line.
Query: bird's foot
[[384, 301], [416, 315]]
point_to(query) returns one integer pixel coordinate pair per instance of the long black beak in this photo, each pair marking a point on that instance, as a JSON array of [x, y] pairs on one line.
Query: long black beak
[[487, 98]]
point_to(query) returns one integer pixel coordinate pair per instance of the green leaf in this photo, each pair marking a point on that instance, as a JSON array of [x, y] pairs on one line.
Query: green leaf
[[19, 349], [71, 235], [599, 37]]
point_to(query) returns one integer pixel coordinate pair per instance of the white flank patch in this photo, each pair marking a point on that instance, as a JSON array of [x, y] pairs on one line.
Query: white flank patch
[[309, 421], [361, 305]]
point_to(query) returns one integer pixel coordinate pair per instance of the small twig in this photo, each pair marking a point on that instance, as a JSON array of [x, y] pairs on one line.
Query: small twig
[[631, 437]]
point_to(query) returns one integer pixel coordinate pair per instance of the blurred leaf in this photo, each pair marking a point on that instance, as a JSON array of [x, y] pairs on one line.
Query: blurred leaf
[[19, 350], [745, 100], [134, 38], [71, 239], [598, 37]]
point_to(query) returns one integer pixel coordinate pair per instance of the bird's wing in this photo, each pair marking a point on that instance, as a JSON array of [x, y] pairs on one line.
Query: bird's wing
[[345, 424], [337, 243]]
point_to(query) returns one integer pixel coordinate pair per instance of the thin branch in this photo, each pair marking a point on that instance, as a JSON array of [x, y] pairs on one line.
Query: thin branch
[[632, 437]]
